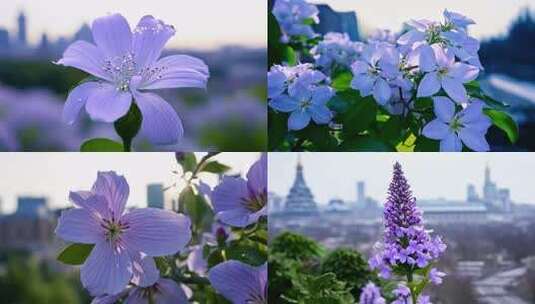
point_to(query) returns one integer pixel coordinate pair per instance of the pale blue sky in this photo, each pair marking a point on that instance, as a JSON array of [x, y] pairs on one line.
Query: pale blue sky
[[200, 24], [55, 174], [431, 175], [492, 16]]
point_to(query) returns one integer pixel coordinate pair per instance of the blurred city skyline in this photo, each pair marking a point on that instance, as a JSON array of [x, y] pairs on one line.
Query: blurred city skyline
[[53, 175], [431, 175], [384, 14], [202, 25]]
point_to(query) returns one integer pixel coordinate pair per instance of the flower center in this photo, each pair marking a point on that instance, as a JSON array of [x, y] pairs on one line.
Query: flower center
[[114, 229], [305, 104], [255, 203], [456, 125], [255, 299], [121, 69], [442, 72]]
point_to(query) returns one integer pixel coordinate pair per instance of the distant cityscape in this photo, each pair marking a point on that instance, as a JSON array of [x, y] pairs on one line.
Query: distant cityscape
[[492, 203]]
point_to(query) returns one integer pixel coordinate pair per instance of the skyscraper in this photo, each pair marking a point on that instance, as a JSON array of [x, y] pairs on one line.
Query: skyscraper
[[33, 207], [300, 199], [333, 21], [155, 197], [22, 29], [361, 193]]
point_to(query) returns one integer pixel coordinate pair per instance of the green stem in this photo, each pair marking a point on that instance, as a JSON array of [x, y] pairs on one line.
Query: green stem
[[410, 279], [127, 145], [200, 165]]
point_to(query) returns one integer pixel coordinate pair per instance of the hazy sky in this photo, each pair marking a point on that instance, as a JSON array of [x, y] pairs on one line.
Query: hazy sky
[[431, 175], [200, 24], [55, 174], [492, 16]]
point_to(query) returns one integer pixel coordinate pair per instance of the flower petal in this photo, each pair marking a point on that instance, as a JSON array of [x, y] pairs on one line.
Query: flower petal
[[474, 139], [76, 101], [429, 85], [298, 120], [177, 71], [322, 95], [227, 199], [463, 72], [455, 89], [320, 114], [148, 39], [86, 57], [93, 203], [436, 129], [80, 226], [112, 35], [145, 272], [170, 293], [444, 108], [114, 189], [284, 103], [107, 270], [427, 61], [451, 143], [360, 67], [160, 122], [257, 175], [238, 282], [107, 104], [156, 232], [363, 83], [382, 91]]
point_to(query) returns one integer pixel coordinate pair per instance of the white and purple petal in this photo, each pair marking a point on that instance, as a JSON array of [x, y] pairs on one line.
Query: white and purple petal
[[112, 35], [107, 104]]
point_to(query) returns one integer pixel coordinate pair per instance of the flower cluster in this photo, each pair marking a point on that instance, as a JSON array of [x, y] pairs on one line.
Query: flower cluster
[[301, 91], [336, 49], [124, 242], [126, 64], [407, 246], [295, 18], [371, 294], [433, 60]]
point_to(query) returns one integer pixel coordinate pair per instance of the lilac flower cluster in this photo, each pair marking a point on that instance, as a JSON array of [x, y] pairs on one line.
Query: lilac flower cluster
[[295, 18], [126, 64], [301, 91], [121, 261], [403, 296], [432, 59], [407, 246], [371, 294], [336, 49]]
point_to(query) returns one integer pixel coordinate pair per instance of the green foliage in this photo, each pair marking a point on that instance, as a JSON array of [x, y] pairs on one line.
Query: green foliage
[[295, 246], [129, 125], [215, 167], [75, 254], [26, 281], [349, 266], [101, 145], [187, 160], [505, 122], [299, 274], [197, 208]]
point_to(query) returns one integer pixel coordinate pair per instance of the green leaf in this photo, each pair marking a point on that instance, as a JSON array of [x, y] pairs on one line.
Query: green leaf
[[128, 126], [187, 160], [215, 167], [101, 145], [366, 143], [360, 116], [196, 207], [424, 144], [277, 126], [249, 253], [290, 56], [162, 264], [342, 81], [75, 254], [505, 122]]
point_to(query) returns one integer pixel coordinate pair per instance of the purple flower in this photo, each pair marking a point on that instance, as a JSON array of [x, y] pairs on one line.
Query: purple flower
[[469, 126], [406, 242], [371, 294], [457, 19], [126, 64], [292, 16], [240, 283], [124, 241], [163, 291], [379, 64], [239, 202], [422, 299], [196, 261], [304, 94], [336, 49], [441, 71], [436, 276]]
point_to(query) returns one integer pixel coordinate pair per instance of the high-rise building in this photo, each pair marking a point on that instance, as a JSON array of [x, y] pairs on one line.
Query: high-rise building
[[22, 29], [471, 193], [31, 206], [361, 193], [300, 199], [333, 21], [4, 40], [155, 197]]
